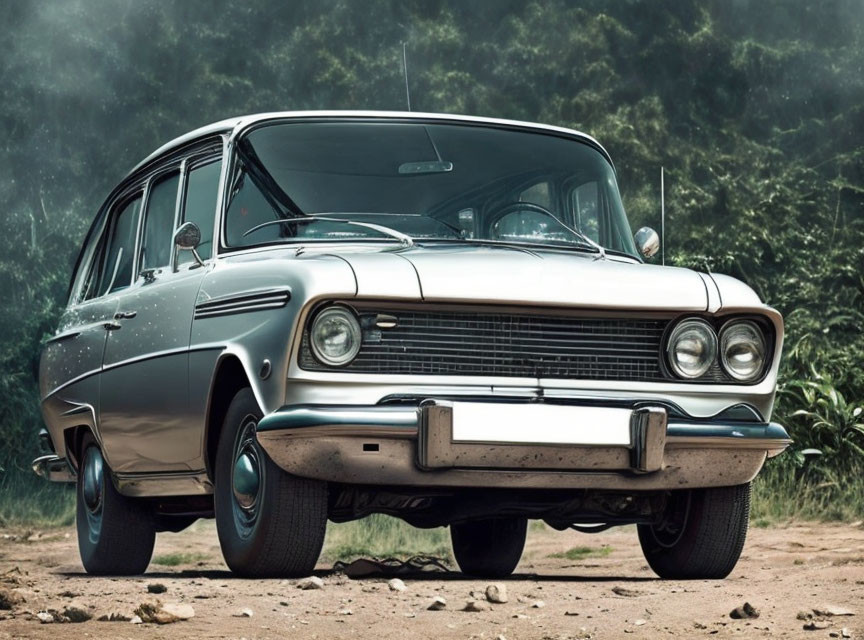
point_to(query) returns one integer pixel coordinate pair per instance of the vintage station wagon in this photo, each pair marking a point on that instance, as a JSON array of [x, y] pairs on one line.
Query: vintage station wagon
[[286, 318]]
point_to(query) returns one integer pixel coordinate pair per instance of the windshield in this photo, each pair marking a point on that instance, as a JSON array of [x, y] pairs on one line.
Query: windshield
[[433, 182]]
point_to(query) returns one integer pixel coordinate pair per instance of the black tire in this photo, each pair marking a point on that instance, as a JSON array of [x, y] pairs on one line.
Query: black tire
[[116, 534], [701, 536], [278, 529], [489, 548]]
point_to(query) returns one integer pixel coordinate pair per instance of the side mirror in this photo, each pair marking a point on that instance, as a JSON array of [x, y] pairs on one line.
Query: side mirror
[[187, 238], [647, 241]]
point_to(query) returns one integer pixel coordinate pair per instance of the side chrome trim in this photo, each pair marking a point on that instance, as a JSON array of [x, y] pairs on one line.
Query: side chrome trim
[[123, 363], [244, 303]]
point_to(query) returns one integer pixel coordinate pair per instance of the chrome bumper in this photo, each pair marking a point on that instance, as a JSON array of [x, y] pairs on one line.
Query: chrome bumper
[[398, 445], [53, 468]]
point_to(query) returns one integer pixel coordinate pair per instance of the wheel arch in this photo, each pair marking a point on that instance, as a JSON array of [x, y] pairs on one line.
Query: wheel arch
[[229, 377]]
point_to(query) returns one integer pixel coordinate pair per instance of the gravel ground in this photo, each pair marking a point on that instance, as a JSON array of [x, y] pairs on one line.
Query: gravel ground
[[785, 574]]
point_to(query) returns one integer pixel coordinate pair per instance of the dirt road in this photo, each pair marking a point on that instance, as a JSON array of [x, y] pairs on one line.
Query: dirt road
[[607, 592]]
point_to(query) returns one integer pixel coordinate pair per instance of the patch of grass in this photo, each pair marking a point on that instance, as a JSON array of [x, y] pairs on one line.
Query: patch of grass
[[761, 523], [34, 502], [176, 559], [380, 536], [580, 553], [782, 492], [537, 525]]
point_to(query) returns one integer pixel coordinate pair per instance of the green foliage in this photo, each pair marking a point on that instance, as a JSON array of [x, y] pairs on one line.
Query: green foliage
[[580, 553], [380, 536], [177, 559], [755, 109]]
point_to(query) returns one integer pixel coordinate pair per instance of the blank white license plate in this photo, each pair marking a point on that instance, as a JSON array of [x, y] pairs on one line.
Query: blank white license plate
[[537, 423]]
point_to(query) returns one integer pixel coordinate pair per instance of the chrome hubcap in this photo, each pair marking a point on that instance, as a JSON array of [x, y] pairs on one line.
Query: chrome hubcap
[[247, 478], [92, 479]]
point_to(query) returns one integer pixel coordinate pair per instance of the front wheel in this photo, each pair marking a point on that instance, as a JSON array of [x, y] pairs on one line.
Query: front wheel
[[270, 523], [489, 548], [701, 535], [116, 534]]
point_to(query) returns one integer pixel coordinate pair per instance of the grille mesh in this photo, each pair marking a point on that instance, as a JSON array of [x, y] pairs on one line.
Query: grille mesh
[[506, 344]]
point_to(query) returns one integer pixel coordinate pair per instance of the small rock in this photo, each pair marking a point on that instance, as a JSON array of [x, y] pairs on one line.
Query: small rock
[[114, 617], [804, 615], [74, 614], [500, 636], [164, 614], [136, 620], [312, 582], [831, 610], [346, 612], [745, 612], [816, 625], [626, 593], [496, 593], [45, 617], [520, 616], [8, 599], [438, 604], [845, 633], [539, 604], [475, 605], [699, 625], [244, 613], [639, 622], [396, 585], [156, 587]]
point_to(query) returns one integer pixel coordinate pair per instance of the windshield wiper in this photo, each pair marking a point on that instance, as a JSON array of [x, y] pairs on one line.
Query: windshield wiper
[[405, 240]]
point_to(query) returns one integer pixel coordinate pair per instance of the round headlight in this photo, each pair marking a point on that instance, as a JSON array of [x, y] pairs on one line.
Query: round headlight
[[335, 336], [692, 348], [742, 350]]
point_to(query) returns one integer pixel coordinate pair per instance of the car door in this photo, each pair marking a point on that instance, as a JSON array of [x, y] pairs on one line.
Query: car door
[[71, 361], [145, 408]]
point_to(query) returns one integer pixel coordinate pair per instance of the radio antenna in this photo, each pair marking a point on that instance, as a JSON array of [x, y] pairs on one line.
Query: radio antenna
[[662, 219], [405, 70]]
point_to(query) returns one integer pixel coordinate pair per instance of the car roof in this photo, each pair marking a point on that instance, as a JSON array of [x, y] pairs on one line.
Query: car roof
[[234, 126]]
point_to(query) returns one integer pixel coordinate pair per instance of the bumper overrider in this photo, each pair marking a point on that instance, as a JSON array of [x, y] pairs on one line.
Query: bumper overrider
[[501, 444]]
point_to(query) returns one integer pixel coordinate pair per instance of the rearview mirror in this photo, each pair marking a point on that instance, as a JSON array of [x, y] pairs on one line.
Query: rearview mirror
[[187, 238], [647, 241]]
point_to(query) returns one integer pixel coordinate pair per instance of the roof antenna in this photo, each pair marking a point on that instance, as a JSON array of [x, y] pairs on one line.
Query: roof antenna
[[662, 219], [405, 69]]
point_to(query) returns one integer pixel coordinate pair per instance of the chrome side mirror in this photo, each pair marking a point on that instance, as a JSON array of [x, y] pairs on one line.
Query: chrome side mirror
[[647, 241], [187, 238]]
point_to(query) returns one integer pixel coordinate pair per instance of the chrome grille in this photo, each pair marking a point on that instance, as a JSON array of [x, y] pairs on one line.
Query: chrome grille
[[473, 343]]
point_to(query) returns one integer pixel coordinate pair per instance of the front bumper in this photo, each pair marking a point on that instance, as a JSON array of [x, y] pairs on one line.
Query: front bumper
[[414, 446]]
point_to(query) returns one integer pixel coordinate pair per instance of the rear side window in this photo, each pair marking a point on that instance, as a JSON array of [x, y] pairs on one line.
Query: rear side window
[[159, 222], [112, 269], [202, 186]]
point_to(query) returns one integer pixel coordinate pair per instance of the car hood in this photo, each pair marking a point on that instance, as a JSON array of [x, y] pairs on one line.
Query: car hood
[[510, 275]]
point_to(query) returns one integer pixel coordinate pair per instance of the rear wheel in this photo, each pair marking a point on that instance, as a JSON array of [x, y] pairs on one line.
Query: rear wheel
[[489, 548], [116, 534], [701, 535], [270, 523]]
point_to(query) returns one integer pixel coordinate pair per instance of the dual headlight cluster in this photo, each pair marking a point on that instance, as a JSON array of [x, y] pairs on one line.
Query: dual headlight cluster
[[693, 348]]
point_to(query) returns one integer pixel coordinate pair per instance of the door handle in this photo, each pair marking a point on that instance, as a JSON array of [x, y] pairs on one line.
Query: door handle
[[112, 326], [125, 315]]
